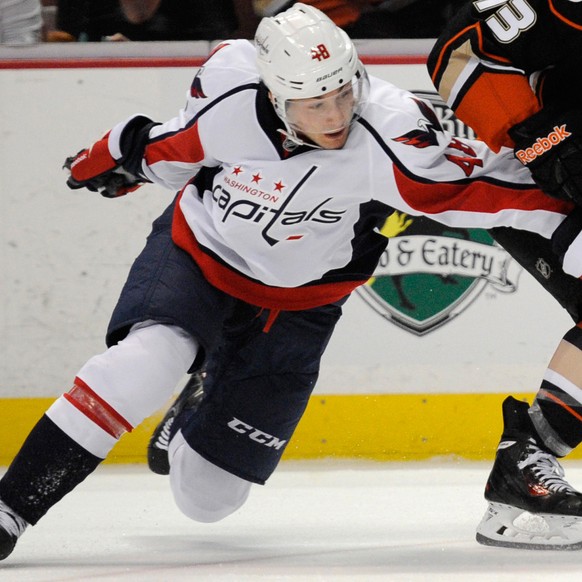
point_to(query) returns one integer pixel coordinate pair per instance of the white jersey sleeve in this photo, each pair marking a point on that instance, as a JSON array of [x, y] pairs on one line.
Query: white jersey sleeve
[[176, 150], [296, 229], [455, 181]]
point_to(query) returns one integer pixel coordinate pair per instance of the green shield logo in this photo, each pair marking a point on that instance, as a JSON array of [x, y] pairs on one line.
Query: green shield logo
[[430, 273]]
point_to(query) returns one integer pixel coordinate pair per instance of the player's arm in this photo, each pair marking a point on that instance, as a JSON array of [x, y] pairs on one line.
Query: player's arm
[[483, 62], [139, 150], [465, 184], [110, 166], [481, 67], [479, 80], [504, 36], [136, 151], [462, 182]]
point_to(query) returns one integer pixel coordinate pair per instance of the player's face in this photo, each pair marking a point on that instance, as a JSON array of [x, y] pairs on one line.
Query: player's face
[[323, 120]]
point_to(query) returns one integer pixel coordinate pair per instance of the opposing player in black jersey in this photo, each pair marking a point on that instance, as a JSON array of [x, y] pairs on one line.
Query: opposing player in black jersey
[[510, 69]]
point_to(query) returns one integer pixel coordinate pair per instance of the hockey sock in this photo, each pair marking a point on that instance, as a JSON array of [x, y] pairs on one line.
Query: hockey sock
[[10, 521], [557, 409], [49, 465]]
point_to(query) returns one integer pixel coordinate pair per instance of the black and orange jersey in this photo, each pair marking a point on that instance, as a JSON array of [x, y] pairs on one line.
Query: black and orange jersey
[[485, 65]]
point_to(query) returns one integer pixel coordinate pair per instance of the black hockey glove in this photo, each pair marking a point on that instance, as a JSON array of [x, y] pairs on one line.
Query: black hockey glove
[[549, 143]]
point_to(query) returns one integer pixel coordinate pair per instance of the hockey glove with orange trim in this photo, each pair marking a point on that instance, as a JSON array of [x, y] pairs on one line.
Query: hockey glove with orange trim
[[549, 144], [99, 168]]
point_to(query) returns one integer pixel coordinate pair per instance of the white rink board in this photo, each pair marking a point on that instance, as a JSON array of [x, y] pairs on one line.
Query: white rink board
[[64, 256]]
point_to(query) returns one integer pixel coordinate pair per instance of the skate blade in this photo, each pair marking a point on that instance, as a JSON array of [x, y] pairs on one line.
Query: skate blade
[[510, 527]]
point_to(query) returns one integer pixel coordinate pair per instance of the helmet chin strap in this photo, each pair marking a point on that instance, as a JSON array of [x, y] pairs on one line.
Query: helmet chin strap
[[293, 141]]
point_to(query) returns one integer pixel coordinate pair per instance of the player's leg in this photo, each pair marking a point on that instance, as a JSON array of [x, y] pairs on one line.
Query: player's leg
[[113, 393], [526, 479], [166, 315], [202, 490], [557, 410], [257, 386]]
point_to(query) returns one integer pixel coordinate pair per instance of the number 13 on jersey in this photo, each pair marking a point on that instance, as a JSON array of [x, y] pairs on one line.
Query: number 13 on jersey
[[510, 18]]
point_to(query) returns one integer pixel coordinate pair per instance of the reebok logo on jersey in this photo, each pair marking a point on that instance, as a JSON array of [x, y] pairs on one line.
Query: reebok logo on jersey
[[543, 145]]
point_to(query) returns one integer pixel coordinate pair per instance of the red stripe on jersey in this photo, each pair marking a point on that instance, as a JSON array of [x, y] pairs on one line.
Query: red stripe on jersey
[[241, 287], [96, 409], [183, 146], [478, 196], [547, 394]]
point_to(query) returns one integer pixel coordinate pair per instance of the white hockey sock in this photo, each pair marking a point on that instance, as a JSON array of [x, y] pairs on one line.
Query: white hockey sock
[[116, 390]]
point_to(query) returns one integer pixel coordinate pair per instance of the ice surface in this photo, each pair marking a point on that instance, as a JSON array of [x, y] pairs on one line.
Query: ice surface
[[313, 521]]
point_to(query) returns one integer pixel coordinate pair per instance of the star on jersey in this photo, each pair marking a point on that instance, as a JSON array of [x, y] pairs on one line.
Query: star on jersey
[[275, 216]]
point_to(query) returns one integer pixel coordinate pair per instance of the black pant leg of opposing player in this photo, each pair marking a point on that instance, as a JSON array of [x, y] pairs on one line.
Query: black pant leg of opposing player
[[557, 409], [535, 254], [526, 476]]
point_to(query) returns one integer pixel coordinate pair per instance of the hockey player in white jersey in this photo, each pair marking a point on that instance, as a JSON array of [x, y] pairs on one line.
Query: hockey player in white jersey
[[287, 159]]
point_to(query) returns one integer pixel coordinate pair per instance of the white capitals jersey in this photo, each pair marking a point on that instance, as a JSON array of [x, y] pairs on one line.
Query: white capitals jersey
[[294, 230]]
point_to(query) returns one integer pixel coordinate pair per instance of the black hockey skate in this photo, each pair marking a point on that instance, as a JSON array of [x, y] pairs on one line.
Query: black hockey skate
[[7, 543], [531, 505], [188, 399], [11, 528]]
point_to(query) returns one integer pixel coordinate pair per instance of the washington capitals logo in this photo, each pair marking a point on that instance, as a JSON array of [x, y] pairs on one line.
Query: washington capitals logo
[[196, 90], [427, 134]]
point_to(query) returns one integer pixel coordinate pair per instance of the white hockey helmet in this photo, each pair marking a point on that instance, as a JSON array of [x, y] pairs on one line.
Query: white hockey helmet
[[302, 54]]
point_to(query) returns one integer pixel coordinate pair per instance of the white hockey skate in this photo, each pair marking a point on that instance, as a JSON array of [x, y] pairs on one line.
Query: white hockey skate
[[531, 505]]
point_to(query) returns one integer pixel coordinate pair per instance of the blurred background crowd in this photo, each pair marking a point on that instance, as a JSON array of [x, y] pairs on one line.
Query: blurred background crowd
[[32, 21]]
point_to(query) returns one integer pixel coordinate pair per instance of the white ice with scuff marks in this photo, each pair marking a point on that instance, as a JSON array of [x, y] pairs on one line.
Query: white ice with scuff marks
[[313, 521]]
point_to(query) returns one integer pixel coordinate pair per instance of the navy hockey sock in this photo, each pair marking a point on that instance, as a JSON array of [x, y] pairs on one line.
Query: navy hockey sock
[[49, 465]]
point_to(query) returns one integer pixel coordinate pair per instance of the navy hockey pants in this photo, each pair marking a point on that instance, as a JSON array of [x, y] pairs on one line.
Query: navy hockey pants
[[258, 383]]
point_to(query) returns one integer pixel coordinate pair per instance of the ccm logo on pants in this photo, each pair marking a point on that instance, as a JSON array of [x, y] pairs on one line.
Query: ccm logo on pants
[[255, 434]]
